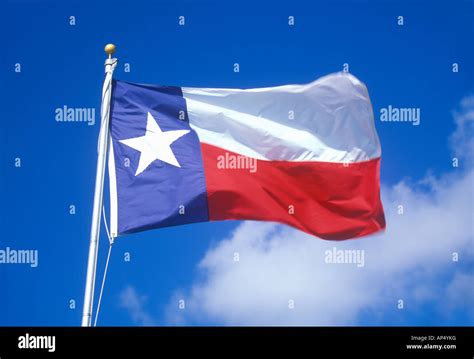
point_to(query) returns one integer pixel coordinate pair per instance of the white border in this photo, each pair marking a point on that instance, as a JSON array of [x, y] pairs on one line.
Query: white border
[[113, 190]]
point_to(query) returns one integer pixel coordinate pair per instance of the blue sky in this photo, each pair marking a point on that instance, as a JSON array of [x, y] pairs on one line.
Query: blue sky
[[403, 66]]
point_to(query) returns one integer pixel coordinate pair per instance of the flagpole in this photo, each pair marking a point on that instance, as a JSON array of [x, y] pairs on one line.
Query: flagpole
[[110, 65]]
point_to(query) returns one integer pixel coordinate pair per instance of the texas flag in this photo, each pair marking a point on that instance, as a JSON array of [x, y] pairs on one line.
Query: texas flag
[[304, 155]]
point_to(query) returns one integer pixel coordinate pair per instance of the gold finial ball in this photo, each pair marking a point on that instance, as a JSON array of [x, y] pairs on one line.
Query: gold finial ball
[[109, 49]]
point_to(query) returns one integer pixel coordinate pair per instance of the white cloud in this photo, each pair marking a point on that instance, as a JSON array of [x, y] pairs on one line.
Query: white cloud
[[135, 305], [412, 260], [461, 289], [462, 140]]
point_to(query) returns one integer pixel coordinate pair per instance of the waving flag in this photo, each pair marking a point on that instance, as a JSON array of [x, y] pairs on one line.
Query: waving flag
[[304, 155]]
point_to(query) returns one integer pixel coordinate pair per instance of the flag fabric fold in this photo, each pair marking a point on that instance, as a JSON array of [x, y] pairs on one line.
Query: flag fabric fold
[[304, 155]]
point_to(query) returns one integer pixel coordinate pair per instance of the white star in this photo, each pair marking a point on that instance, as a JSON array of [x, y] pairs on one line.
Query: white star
[[155, 145]]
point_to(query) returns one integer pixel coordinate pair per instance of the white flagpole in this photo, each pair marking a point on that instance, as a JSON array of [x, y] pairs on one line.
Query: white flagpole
[[110, 65]]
